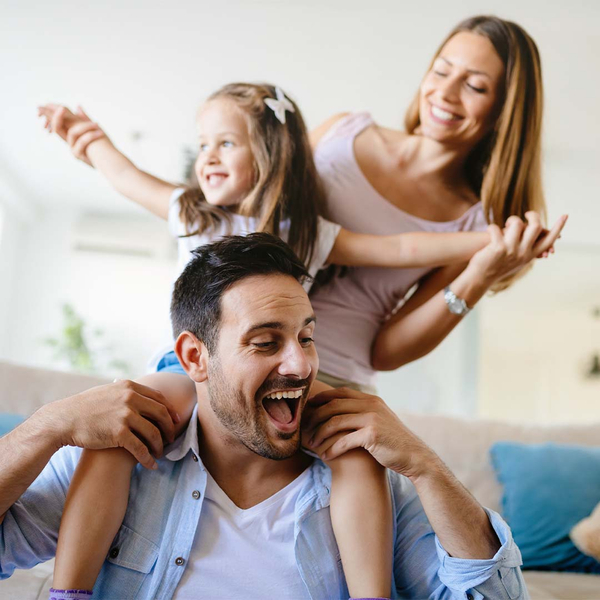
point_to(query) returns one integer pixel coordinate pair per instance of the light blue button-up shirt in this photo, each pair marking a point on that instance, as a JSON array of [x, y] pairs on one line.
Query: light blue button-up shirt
[[153, 545]]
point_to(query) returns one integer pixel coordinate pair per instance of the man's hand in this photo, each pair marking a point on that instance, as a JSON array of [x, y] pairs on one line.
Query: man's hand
[[123, 414], [346, 419], [343, 419]]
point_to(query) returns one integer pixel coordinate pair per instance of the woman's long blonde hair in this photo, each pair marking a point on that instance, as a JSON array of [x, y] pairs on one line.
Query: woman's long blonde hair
[[505, 168], [286, 184]]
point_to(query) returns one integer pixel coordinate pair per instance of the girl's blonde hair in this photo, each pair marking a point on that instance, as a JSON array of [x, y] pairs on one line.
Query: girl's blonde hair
[[505, 168], [286, 184]]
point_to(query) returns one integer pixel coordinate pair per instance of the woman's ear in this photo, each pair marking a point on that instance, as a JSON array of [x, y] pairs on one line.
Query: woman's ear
[[192, 355]]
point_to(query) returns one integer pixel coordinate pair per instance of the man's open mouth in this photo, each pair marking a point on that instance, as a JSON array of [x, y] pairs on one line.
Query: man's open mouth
[[282, 407]]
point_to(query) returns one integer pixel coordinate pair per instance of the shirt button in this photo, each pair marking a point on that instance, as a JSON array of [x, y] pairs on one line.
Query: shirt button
[[195, 494], [114, 552], [194, 458], [469, 596], [180, 562]]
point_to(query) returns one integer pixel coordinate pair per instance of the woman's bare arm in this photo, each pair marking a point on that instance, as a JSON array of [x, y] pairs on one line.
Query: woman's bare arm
[[424, 321]]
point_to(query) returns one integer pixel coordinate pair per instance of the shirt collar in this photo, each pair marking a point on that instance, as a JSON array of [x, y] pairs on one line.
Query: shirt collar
[[186, 441], [321, 482]]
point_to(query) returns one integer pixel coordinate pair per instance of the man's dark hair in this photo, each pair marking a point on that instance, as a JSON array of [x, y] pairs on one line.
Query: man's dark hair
[[196, 300]]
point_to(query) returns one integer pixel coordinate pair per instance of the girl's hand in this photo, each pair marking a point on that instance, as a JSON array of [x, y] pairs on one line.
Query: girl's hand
[[514, 247], [77, 129], [343, 419]]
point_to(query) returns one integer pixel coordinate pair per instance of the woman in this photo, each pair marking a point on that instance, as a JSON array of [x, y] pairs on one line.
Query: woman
[[470, 154]]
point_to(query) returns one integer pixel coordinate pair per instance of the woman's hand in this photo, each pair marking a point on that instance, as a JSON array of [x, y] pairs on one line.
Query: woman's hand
[[343, 419], [77, 129], [514, 247]]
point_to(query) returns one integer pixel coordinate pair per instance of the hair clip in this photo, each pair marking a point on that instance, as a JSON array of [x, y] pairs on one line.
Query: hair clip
[[280, 105]]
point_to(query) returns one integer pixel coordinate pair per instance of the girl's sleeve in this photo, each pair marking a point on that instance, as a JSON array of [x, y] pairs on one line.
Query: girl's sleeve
[[175, 224], [327, 233]]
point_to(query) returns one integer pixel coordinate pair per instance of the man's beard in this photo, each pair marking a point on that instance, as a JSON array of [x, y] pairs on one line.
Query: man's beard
[[232, 410]]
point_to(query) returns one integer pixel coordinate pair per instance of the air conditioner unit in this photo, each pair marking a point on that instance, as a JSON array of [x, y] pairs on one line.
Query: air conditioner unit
[[126, 235]]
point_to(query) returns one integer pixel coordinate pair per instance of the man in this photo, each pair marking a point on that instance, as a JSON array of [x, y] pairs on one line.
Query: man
[[244, 326]]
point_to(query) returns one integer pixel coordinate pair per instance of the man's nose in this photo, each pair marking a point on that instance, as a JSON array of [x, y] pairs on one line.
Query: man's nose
[[295, 362]]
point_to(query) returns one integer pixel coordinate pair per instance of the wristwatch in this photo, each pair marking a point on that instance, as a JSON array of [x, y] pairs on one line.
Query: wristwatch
[[456, 305]]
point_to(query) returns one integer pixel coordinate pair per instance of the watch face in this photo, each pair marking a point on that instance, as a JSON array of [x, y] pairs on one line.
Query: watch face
[[456, 306]]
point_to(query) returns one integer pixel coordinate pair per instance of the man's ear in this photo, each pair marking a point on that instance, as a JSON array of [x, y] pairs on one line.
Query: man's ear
[[192, 355]]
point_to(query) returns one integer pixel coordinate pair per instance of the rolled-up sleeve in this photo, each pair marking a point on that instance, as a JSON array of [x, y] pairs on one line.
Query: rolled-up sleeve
[[497, 577], [29, 531], [423, 569]]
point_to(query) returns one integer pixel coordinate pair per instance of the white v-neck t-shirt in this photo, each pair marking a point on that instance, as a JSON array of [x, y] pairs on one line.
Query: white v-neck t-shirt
[[245, 553]]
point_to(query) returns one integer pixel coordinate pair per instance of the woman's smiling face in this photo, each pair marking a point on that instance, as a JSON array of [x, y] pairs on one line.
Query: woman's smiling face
[[460, 94]]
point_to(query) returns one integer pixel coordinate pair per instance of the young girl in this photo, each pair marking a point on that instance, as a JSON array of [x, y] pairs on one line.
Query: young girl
[[255, 173]]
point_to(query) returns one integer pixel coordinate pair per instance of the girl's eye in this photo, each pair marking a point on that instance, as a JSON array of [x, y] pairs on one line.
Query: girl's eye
[[203, 147], [476, 89], [227, 144]]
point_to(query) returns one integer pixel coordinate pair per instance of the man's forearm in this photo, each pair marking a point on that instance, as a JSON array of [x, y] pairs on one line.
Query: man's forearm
[[459, 521], [24, 452]]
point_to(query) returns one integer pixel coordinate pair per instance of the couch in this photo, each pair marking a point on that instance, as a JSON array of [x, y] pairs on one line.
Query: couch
[[463, 444]]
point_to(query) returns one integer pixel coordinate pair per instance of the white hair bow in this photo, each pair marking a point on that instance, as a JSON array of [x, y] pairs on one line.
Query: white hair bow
[[280, 105]]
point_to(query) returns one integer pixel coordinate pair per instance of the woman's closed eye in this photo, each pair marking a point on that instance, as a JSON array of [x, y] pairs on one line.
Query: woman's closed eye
[[479, 90]]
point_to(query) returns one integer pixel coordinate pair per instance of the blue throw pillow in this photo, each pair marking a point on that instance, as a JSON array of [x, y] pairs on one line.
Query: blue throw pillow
[[548, 488], [8, 422]]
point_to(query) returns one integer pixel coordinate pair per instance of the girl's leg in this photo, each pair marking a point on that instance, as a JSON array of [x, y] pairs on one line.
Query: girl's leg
[[98, 494], [94, 510], [361, 515]]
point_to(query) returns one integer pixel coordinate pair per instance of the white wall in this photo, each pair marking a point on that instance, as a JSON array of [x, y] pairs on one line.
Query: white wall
[[538, 340], [10, 235], [125, 296]]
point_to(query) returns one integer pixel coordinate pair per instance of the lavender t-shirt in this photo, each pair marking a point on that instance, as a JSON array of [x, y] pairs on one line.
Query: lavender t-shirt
[[350, 310]]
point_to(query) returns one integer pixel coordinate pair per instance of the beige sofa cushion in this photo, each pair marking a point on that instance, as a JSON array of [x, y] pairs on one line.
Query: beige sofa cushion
[[545, 585], [464, 446], [24, 389]]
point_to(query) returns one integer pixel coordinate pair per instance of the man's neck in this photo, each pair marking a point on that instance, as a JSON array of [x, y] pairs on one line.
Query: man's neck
[[243, 475]]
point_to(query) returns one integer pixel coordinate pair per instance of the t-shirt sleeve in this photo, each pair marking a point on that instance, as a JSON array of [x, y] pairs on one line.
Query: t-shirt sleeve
[[478, 221], [327, 233], [176, 225]]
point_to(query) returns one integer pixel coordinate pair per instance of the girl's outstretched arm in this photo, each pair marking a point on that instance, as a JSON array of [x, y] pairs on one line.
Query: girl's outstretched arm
[[97, 497], [405, 250], [90, 144]]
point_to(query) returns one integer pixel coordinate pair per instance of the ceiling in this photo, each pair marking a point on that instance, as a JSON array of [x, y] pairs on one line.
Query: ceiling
[[142, 68]]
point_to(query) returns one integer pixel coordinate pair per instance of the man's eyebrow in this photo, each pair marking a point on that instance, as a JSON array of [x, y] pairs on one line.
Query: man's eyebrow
[[471, 71], [278, 324]]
